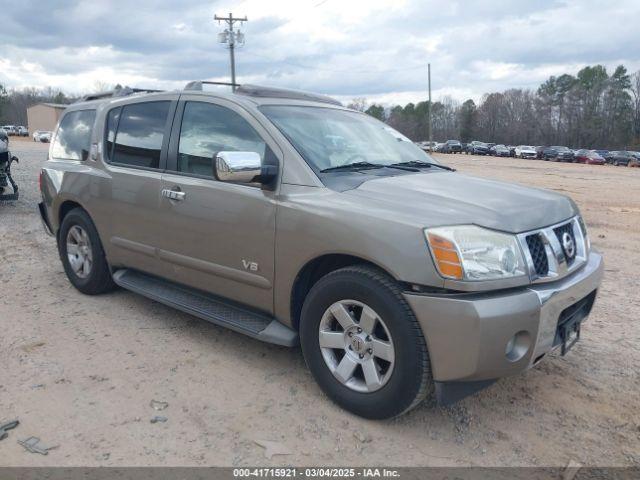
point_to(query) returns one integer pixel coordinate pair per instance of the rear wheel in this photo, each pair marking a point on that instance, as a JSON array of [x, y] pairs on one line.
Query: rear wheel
[[363, 344], [82, 254]]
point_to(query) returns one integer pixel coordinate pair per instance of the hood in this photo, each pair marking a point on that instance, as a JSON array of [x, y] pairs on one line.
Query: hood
[[446, 198]]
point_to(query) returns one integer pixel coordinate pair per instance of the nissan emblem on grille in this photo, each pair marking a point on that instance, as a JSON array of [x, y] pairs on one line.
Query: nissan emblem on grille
[[568, 245]]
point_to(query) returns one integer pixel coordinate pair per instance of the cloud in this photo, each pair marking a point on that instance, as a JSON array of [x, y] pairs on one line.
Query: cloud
[[372, 48]]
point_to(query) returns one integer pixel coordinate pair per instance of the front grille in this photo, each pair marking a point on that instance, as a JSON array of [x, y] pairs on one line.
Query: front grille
[[560, 231], [538, 254]]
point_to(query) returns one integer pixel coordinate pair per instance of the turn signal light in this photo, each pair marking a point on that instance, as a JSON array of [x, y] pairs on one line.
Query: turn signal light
[[445, 256]]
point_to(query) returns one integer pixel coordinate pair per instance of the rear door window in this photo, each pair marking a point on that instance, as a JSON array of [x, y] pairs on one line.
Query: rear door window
[[139, 133], [73, 138]]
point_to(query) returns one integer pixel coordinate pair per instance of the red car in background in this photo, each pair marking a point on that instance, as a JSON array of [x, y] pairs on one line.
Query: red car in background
[[589, 156]]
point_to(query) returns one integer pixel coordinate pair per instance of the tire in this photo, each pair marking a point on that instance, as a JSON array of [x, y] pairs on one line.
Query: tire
[[404, 381], [96, 278]]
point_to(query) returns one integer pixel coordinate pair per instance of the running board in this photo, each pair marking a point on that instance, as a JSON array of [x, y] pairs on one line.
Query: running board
[[208, 307]]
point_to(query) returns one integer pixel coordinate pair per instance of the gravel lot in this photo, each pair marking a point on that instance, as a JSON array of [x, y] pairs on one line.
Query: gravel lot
[[80, 372]]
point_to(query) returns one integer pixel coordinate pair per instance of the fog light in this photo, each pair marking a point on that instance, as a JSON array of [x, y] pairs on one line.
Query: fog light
[[518, 346]]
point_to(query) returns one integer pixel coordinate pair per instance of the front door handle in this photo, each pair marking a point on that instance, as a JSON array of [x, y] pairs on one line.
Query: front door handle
[[173, 194]]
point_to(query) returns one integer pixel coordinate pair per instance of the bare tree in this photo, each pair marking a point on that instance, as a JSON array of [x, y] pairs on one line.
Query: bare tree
[[359, 103]]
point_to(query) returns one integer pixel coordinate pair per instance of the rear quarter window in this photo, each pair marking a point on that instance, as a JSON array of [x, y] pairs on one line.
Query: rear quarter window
[[73, 138]]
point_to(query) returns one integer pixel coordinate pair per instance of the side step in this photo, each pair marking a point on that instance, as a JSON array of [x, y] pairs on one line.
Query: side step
[[208, 307]]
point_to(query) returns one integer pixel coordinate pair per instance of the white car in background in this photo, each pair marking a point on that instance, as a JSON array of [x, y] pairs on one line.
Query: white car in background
[[41, 136], [526, 151], [10, 129]]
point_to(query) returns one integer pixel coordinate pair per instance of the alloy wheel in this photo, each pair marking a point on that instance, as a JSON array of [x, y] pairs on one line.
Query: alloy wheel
[[79, 251], [356, 346]]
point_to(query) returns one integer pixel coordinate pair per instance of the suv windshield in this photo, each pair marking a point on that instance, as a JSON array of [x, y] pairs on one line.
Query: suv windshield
[[561, 149], [328, 137]]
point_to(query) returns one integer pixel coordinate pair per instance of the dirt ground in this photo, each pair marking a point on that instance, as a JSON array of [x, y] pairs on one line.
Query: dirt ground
[[80, 372]]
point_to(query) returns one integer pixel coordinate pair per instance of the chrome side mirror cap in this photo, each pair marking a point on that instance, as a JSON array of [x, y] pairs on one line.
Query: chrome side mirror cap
[[237, 167]]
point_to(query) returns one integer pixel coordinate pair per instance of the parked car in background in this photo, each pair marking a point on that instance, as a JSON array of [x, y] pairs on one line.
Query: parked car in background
[[477, 148], [546, 153], [619, 157], [490, 145], [452, 146], [602, 153], [525, 151], [563, 154], [10, 129], [512, 150], [590, 157], [427, 146], [500, 151], [42, 136], [23, 131]]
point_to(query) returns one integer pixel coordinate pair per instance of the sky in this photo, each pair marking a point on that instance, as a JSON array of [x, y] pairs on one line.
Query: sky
[[376, 49]]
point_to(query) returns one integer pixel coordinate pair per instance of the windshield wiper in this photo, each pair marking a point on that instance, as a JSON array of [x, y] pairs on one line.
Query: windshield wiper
[[352, 166], [420, 163]]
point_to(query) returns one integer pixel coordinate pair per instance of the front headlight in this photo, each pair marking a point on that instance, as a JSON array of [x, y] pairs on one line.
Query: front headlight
[[583, 230], [467, 252]]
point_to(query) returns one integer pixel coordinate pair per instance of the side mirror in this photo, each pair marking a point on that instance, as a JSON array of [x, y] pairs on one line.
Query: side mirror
[[242, 167]]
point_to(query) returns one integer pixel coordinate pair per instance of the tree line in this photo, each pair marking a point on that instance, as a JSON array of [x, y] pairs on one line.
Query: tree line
[[14, 102], [589, 110]]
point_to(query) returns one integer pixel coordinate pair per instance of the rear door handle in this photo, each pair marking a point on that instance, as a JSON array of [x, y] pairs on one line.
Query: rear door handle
[[173, 194]]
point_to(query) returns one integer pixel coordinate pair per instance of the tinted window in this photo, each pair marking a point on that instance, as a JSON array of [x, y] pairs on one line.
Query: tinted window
[[73, 139], [208, 129], [140, 133]]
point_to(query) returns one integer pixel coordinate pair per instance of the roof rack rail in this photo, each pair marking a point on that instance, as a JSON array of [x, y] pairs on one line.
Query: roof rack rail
[[197, 84], [272, 92], [265, 92], [117, 92]]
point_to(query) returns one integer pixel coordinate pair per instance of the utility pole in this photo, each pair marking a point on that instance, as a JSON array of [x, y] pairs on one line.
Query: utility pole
[[429, 110], [232, 38]]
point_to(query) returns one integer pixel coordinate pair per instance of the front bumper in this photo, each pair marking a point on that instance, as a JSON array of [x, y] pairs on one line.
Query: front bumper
[[467, 334]]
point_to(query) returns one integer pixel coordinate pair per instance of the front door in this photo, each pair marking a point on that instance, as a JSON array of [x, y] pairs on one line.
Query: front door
[[219, 236]]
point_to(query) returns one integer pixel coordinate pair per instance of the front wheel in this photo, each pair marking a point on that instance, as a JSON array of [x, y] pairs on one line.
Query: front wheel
[[363, 344]]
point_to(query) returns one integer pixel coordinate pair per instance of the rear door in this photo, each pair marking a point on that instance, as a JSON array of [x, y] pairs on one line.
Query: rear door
[[219, 236], [137, 136]]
